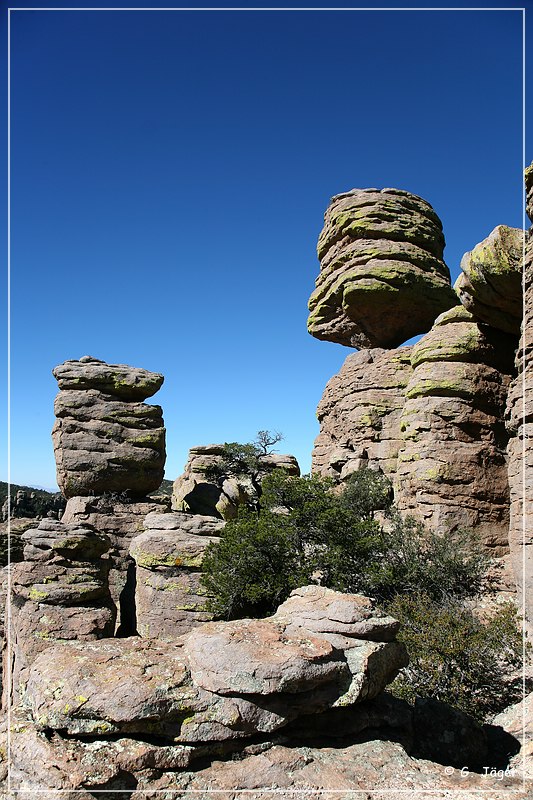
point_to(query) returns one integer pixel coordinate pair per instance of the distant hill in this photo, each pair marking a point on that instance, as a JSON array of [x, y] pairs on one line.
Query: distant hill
[[165, 488], [35, 503]]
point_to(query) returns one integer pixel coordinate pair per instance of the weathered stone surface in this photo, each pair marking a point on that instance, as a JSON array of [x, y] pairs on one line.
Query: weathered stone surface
[[59, 592], [120, 380], [452, 469], [105, 440], [374, 769], [120, 519], [359, 414], [377, 754], [342, 619], [382, 278], [169, 597], [519, 417], [228, 681], [256, 656], [517, 720], [196, 491], [490, 284]]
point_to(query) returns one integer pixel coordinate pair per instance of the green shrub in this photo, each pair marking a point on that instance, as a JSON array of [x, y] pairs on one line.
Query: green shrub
[[456, 658], [411, 558]]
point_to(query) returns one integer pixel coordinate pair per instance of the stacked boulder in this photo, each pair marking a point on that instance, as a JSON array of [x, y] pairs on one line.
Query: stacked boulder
[[169, 597], [382, 278], [429, 416], [105, 438], [206, 488], [158, 706], [60, 593], [110, 454]]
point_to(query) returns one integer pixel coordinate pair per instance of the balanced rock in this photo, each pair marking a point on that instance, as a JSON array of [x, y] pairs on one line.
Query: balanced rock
[[169, 597], [490, 284], [59, 592], [105, 439], [382, 278], [205, 488], [452, 469], [359, 414]]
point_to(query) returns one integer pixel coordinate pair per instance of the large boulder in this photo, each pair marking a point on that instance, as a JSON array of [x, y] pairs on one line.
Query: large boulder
[[206, 487], [359, 414], [169, 597], [490, 284], [452, 469], [382, 278], [222, 681], [105, 439]]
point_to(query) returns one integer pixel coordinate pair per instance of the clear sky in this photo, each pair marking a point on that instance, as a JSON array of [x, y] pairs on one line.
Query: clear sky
[[169, 175]]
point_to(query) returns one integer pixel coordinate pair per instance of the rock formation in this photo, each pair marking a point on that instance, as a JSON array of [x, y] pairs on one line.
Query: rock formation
[[430, 416], [169, 598], [490, 284], [382, 278], [221, 685], [120, 519], [198, 491], [106, 439], [60, 592], [359, 414], [520, 426], [452, 469]]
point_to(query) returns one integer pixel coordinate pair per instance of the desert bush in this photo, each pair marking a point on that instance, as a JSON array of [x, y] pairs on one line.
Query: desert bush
[[305, 531], [455, 657]]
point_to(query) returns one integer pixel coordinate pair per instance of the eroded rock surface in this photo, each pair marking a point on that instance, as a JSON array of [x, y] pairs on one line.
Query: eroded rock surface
[[105, 439], [382, 278], [520, 427], [222, 683], [452, 468], [169, 597], [198, 491], [359, 414], [120, 519], [59, 592], [490, 284]]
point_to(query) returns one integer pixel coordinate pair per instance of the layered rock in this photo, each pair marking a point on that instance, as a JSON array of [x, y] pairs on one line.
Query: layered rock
[[105, 439], [169, 597], [222, 685], [59, 592], [120, 519], [359, 414], [490, 283], [382, 278], [380, 766], [452, 469], [205, 487], [520, 427]]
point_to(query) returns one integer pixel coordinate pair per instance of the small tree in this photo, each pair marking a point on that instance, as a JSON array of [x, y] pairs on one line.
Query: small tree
[[244, 461]]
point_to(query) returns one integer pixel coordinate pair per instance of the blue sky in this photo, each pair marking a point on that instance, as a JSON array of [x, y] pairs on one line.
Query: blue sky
[[169, 175]]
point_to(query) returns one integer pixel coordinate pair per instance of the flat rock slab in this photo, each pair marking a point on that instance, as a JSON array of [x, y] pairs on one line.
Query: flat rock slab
[[254, 656], [121, 380]]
